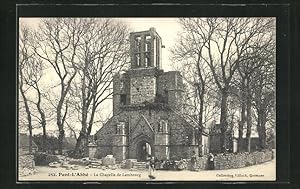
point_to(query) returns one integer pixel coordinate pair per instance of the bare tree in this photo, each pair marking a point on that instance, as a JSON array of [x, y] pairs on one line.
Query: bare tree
[[264, 98], [58, 40], [25, 59], [103, 53], [260, 53], [224, 45], [188, 57], [36, 70]]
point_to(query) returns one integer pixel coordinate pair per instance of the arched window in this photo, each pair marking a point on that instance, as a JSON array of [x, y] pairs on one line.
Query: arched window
[[163, 125]]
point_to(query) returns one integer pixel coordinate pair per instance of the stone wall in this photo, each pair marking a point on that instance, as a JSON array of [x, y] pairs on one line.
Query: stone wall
[[103, 151], [171, 82], [202, 163], [232, 161], [104, 139], [26, 165], [181, 151], [142, 89]]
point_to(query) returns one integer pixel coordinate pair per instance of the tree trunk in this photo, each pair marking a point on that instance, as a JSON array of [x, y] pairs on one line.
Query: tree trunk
[[259, 129], [60, 141], [84, 114], [249, 119], [223, 118], [200, 130], [28, 117], [44, 136], [241, 129], [60, 127], [79, 144], [201, 93], [43, 118], [263, 131], [243, 118]]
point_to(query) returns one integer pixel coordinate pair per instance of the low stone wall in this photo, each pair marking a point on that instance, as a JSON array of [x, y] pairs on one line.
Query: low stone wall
[[26, 165], [201, 163], [232, 161]]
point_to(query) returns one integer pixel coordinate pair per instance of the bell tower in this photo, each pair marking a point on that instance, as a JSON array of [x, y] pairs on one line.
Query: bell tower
[[145, 53], [145, 49]]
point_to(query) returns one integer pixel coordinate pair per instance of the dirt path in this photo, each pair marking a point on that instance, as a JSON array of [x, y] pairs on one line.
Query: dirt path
[[265, 171]]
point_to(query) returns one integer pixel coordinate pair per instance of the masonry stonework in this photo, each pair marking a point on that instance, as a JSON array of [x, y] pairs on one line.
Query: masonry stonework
[[147, 117]]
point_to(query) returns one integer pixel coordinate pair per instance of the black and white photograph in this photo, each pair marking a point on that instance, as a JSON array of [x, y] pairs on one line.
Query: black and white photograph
[[146, 99]]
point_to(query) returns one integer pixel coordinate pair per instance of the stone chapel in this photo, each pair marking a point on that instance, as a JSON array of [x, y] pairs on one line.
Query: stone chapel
[[147, 117]]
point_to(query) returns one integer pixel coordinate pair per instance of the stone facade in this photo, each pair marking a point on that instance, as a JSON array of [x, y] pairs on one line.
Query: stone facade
[[147, 117]]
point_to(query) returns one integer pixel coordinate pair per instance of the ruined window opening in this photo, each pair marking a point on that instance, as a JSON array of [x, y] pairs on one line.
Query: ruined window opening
[[138, 43], [147, 60], [158, 46], [122, 128], [159, 128], [138, 89], [137, 59], [165, 126], [148, 43], [123, 99], [118, 129], [154, 51]]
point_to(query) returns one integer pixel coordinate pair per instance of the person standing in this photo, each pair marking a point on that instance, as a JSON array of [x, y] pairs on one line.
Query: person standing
[[193, 161], [211, 164], [152, 168]]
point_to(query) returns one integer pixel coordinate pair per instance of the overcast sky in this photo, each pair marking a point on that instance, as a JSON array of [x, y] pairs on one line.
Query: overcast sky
[[167, 28]]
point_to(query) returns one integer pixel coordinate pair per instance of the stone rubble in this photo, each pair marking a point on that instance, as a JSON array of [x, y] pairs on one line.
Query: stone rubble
[[26, 165]]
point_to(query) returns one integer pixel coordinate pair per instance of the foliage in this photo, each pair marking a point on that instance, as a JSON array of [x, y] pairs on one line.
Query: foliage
[[44, 158], [51, 143]]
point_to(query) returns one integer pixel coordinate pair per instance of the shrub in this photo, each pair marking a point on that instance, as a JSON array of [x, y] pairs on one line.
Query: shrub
[[44, 158]]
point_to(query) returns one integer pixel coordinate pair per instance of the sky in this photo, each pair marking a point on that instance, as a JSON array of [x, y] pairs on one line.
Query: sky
[[167, 28]]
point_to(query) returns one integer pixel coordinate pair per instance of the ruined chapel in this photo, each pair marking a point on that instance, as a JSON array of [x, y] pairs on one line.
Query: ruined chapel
[[147, 116]]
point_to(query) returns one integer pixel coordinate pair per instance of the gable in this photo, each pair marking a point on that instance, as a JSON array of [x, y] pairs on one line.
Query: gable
[[141, 127]]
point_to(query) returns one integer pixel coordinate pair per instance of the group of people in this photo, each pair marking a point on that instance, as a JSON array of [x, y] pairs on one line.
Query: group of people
[[155, 164], [210, 162]]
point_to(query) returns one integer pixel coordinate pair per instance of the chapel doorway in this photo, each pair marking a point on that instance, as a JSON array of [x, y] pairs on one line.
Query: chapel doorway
[[143, 150]]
